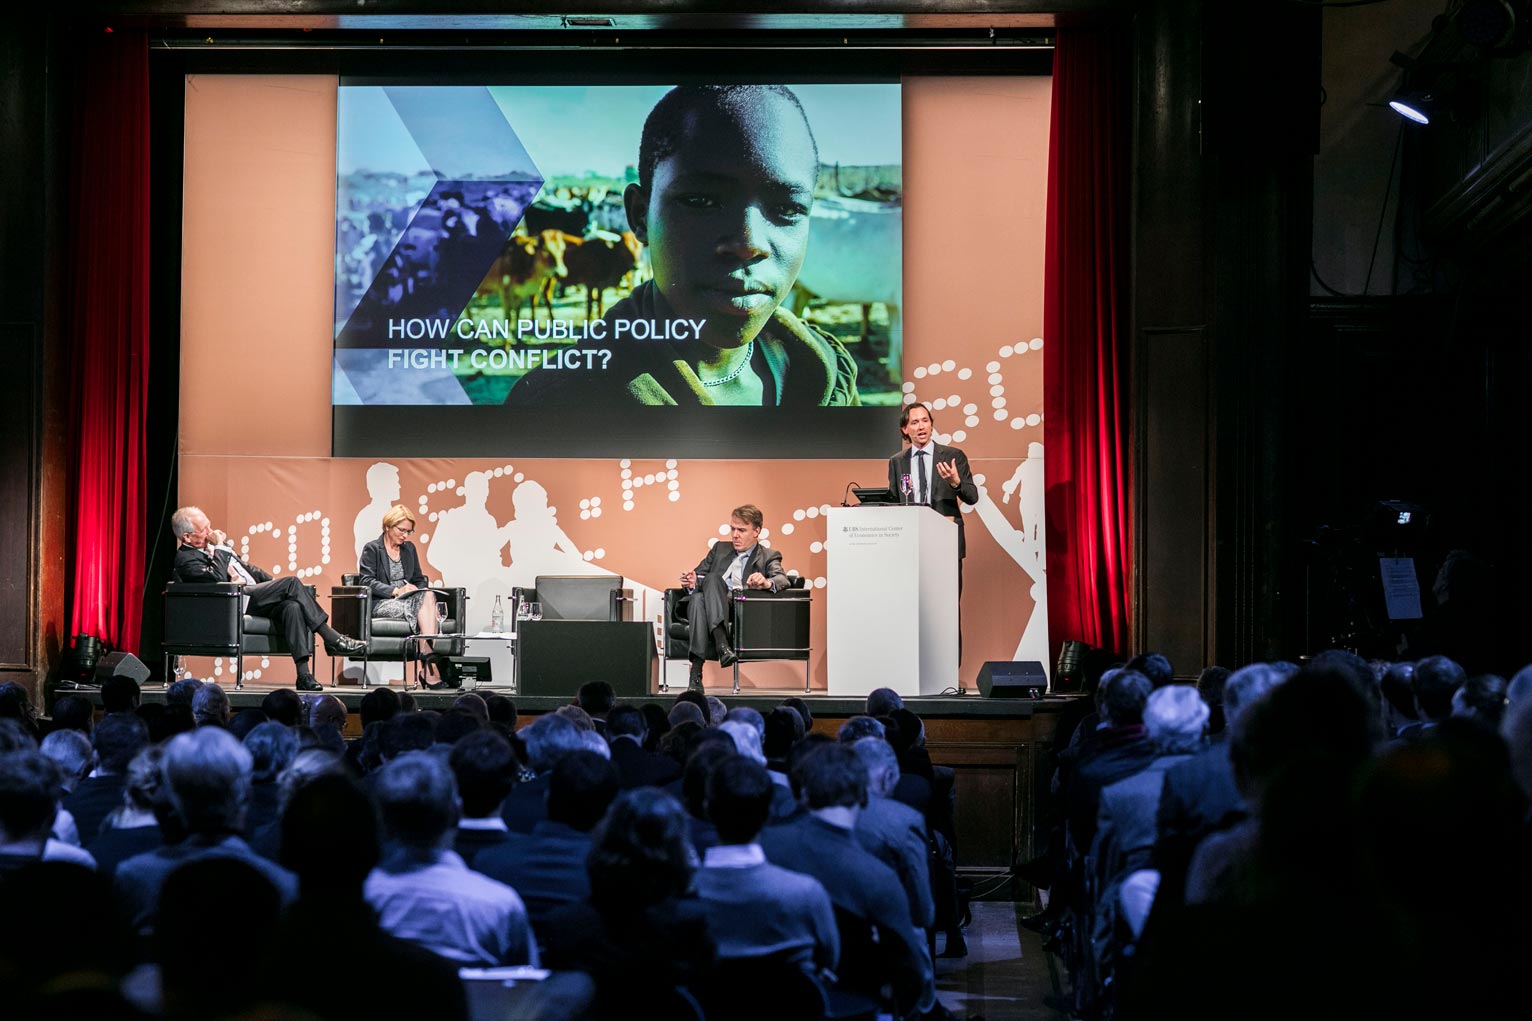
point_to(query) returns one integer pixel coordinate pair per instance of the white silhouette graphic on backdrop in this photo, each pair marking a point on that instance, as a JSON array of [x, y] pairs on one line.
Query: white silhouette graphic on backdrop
[[383, 489], [1025, 545], [538, 544]]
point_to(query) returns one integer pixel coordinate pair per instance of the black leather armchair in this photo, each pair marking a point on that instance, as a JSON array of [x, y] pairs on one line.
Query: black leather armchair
[[387, 637], [208, 619], [764, 626]]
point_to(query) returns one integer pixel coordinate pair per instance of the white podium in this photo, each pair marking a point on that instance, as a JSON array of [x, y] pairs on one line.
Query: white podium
[[892, 617]]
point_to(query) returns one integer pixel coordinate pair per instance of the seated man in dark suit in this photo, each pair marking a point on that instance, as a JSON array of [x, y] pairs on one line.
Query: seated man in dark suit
[[485, 769], [548, 867], [118, 738], [286, 600], [895, 832], [636, 767], [823, 844], [743, 563], [755, 908], [547, 740], [1124, 749]]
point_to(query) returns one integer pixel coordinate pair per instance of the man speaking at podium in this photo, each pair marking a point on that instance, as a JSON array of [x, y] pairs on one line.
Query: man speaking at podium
[[932, 474], [741, 563]]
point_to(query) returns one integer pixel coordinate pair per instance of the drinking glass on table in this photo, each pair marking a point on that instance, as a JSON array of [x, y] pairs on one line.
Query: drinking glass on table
[[535, 611]]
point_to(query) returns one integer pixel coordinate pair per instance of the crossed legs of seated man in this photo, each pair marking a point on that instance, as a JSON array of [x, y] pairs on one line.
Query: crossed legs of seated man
[[288, 603], [708, 613]]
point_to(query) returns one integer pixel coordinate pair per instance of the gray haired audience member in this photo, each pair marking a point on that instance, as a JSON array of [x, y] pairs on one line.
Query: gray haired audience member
[[686, 712], [207, 774], [883, 701], [747, 740], [717, 712], [892, 832], [210, 706], [422, 891], [71, 752], [593, 742], [182, 692], [858, 727], [744, 714]]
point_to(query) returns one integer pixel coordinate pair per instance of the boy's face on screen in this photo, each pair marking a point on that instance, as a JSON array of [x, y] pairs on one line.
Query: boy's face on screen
[[726, 218]]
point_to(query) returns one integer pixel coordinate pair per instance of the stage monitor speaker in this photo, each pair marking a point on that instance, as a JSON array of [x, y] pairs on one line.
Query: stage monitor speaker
[[1000, 679], [121, 664], [557, 656]]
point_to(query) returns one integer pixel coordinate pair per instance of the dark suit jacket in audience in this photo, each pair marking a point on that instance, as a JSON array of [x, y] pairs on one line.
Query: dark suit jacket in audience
[[139, 879], [1125, 820], [546, 867], [114, 846], [263, 807], [634, 958], [896, 834], [1198, 798], [92, 800], [765, 909], [639, 768], [1122, 752], [527, 805], [470, 842], [857, 882]]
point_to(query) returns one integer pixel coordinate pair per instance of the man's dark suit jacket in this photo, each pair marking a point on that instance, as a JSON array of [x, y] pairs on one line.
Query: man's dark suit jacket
[[92, 800], [527, 805], [1198, 797], [1123, 752], [546, 868], [470, 843], [855, 879], [944, 499], [638, 768], [766, 561], [374, 568], [209, 566]]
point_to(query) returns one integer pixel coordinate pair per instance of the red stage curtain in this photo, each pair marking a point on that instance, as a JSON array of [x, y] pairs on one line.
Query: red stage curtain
[[1086, 431], [107, 313]]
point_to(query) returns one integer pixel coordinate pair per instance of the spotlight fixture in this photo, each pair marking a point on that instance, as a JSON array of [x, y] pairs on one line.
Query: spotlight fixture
[[1415, 106]]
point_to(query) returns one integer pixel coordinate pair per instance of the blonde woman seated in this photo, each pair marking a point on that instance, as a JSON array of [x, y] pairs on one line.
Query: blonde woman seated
[[391, 568]]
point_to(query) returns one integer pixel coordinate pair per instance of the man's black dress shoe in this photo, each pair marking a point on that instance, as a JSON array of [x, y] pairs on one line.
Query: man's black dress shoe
[[727, 656], [307, 683], [344, 646]]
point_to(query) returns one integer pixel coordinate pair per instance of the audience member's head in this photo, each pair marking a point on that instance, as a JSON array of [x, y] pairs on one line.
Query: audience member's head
[[378, 705], [548, 739], [285, 707], [210, 706], [739, 794], [716, 710], [330, 838], [327, 711], [1316, 714], [189, 921], [474, 703], [858, 727], [1481, 698], [485, 770], [71, 712], [272, 748], [406, 732], [657, 720], [247, 720], [686, 712], [595, 743], [580, 788], [1153, 666], [626, 720], [208, 775], [182, 692], [596, 698], [1397, 686], [881, 763], [15, 737], [417, 801], [1246, 686], [833, 777], [784, 728], [119, 694], [1210, 685], [801, 707], [118, 738], [173, 720], [1176, 718], [798, 755], [710, 747], [1520, 688], [29, 797], [407, 703], [744, 714], [1122, 696], [1516, 730], [641, 854], [1436, 680], [144, 789], [307, 766], [574, 714], [502, 711], [746, 738], [910, 731], [69, 751], [883, 701], [456, 724], [678, 742]]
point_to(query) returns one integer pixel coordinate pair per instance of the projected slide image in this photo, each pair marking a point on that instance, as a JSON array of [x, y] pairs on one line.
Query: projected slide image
[[596, 247]]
